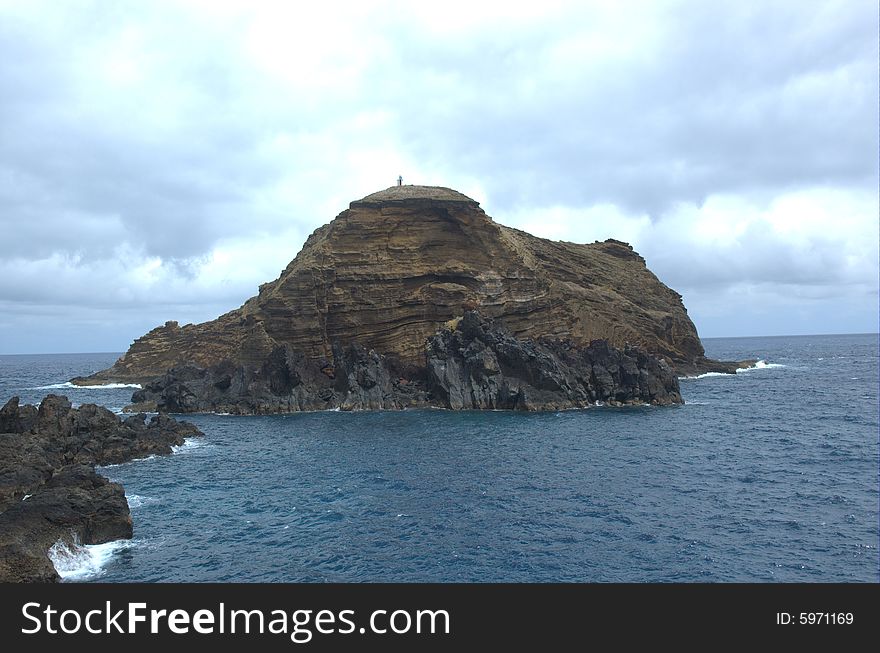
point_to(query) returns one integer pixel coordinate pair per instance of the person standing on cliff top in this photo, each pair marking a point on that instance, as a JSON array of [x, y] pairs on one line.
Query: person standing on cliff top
[[400, 180]]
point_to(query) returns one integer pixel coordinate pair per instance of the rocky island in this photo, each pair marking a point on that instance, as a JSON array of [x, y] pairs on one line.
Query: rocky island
[[413, 296], [49, 489]]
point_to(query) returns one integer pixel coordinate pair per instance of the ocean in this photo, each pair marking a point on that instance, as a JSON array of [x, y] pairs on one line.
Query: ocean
[[769, 475]]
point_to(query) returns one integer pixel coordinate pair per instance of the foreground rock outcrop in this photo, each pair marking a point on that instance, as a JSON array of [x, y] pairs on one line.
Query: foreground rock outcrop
[[394, 267], [472, 363], [49, 489]]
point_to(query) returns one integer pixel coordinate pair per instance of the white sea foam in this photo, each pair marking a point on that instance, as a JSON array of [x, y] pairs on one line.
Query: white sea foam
[[100, 468], [75, 561], [760, 365], [189, 445], [136, 501], [705, 376], [67, 385]]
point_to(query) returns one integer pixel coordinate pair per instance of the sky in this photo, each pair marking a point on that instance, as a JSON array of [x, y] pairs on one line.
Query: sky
[[158, 161]]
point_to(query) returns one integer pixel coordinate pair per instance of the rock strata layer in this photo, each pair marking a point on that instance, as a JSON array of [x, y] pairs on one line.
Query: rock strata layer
[[390, 270], [49, 489], [472, 363]]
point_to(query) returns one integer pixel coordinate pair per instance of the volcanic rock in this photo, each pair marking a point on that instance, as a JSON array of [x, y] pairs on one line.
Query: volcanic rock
[[49, 489], [478, 365], [471, 363], [397, 265]]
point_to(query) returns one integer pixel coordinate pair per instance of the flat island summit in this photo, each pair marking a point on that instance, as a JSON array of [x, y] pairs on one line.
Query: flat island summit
[[414, 297]]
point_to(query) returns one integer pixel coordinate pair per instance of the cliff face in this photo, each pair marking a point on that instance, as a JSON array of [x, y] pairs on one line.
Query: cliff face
[[472, 363], [477, 365], [388, 272]]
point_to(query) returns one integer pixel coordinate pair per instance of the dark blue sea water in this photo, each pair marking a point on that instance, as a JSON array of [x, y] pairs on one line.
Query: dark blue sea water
[[767, 475]]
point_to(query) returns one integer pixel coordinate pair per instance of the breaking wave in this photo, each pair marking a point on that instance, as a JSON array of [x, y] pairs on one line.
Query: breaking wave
[[760, 365], [67, 385], [136, 501], [706, 375], [75, 561], [189, 445]]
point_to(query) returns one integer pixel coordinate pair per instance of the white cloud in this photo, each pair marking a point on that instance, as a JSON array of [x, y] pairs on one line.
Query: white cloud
[[803, 261], [165, 158]]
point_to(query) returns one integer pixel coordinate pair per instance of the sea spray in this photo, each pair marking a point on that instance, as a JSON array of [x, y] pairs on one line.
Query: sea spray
[[67, 385], [76, 561]]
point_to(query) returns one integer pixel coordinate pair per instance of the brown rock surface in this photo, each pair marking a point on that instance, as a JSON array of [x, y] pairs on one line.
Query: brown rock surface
[[472, 363], [389, 271]]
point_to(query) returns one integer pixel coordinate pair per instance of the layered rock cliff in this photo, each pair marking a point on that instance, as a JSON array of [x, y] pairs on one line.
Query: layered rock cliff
[[472, 363], [390, 270]]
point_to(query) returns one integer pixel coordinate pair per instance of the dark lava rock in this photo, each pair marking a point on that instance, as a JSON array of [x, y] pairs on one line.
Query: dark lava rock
[[476, 364], [355, 379], [49, 489]]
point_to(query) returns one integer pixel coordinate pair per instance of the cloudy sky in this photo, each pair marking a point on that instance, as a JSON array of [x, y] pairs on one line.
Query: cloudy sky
[[160, 160]]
